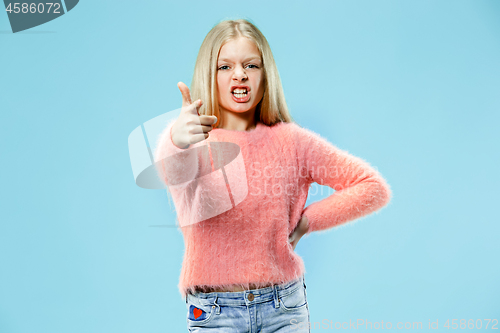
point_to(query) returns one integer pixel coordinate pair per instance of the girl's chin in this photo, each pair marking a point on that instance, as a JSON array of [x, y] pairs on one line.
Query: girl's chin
[[238, 108]]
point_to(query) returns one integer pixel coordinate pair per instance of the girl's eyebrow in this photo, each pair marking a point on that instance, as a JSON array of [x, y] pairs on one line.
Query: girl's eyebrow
[[247, 59]]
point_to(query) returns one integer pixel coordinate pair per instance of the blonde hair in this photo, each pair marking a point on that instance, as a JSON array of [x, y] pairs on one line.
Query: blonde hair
[[272, 108]]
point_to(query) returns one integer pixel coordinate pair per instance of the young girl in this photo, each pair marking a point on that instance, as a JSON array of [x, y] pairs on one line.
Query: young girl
[[239, 170]]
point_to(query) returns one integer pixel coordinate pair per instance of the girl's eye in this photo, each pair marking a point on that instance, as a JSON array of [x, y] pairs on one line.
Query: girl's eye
[[224, 67]]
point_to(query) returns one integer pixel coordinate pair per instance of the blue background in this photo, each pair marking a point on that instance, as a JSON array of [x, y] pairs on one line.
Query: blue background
[[412, 87]]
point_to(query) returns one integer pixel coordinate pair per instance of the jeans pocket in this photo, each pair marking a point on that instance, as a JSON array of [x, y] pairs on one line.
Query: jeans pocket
[[294, 300], [199, 313]]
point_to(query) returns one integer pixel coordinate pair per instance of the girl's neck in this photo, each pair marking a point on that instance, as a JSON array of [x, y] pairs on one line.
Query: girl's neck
[[238, 121]]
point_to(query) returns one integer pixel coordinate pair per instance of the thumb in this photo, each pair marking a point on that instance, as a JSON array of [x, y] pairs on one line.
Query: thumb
[[186, 96]]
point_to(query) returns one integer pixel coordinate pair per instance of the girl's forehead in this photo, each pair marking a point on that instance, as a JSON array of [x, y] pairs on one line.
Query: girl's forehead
[[238, 47], [246, 57]]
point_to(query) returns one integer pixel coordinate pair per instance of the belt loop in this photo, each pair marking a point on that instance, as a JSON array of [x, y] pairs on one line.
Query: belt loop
[[304, 280], [217, 305], [275, 295]]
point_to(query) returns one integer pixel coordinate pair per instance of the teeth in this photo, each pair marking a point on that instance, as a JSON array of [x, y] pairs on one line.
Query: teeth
[[239, 95], [239, 91]]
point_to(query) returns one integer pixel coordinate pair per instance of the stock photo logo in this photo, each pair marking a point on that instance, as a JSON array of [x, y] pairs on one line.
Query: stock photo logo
[[220, 170], [26, 15]]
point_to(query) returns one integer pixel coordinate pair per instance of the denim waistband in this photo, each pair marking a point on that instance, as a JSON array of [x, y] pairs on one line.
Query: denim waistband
[[242, 297]]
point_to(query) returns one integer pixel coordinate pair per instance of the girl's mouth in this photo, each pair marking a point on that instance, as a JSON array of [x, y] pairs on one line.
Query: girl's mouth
[[241, 95]]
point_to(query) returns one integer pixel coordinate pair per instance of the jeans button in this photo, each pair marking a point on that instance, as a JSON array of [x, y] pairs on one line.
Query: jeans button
[[250, 297]]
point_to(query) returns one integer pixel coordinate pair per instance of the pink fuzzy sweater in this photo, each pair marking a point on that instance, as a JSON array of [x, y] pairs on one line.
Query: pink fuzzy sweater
[[237, 211]]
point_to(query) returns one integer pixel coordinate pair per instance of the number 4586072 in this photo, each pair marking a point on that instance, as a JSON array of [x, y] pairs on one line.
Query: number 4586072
[[471, 324], [33, 8]]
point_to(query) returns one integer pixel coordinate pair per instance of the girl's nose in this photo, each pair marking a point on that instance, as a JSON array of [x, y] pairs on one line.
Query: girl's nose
[[239, 73]]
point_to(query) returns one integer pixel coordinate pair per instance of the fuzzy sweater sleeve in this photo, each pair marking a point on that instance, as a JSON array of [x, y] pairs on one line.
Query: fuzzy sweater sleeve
[[359, 188], [174, 165]]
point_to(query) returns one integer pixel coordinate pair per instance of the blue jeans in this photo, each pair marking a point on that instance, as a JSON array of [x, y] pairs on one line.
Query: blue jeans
[[280, 308]]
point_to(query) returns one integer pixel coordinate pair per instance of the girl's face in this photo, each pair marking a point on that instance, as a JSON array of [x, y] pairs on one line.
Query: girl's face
[[240, 76]]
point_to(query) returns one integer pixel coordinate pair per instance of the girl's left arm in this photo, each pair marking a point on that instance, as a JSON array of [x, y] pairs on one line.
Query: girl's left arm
[[359, 188]]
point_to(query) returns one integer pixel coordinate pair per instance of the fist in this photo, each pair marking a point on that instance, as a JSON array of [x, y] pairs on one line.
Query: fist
[[190, 127]]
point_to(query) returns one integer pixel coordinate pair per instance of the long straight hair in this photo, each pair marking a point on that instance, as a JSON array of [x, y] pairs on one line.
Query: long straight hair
[[272, 108]]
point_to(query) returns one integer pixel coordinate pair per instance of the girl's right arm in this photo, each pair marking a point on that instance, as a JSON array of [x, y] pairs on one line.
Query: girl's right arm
[[175, 163]]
